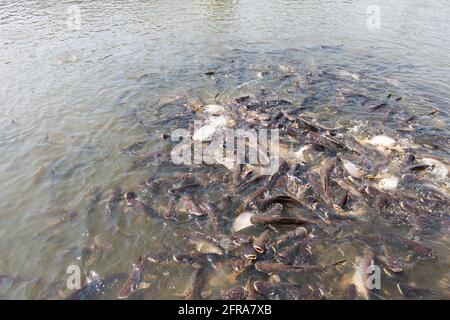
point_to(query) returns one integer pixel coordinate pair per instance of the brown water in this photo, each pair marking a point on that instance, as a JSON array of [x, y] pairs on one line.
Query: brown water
[[70, 100]]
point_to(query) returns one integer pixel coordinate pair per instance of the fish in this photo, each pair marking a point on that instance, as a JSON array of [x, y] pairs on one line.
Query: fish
[[114, 198], [211, 211], [360, 276], [395, 264], [144, 160], [283, 168], [276, 103], [260, 242], [418, 167], [195, 285], [252, 294], [175, 190], [249, 253], [194, 258], [421, 250], [340, 203], [290, 253], [314, 125], [277, 220], [204, 243], [297, 234], [133, 148], [286, 291], [187, 205], [283, 199], [380, 201], [242, 221], [326, 142], [97, 287], [62, 214], [134, 279], [352, 169], [169, 212], [412, 292], [132, 200], [348, 186], [94, 195], [236, 293], [325, 173]]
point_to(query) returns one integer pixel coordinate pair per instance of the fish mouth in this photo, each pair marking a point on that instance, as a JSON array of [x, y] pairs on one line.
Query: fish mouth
[[250, 256], [258, 249]]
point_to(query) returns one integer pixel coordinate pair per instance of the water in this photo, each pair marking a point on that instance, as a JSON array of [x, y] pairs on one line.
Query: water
[[69, 99]]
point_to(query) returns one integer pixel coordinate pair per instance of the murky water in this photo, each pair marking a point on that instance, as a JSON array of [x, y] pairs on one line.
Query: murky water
[[72, 98]]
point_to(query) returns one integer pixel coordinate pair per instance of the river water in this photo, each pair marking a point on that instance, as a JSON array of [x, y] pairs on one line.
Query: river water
[[71, 87]]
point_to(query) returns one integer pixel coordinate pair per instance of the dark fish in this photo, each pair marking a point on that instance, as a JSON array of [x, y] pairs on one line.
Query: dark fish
[[316, 186], [133, 281], [418, 167], [152, 183], [243, 99], [138, 206], [260, 242], [252, 294], [249, 253], [314, 125], [350, 293], [326, 142], [296, 234], [265, 220], [160, 258], [204, 243], [114, 198], [252, 199], [419, 249], [283, 168], [341, 201], [211, 211], [411, 292], [237, 293], [240, 264], [378, 106], [63, 214], [195, 285], [274, 210], [276, 103], [380, 201], [97, 287], [184, 188], [251, 182], [169, 212], [93, 202], [395, 264], [283, 199], [132, 149], [286, 291], [276, 267], [348, 186], [195, 258], [144, 160], [289, 254], [189, 206]]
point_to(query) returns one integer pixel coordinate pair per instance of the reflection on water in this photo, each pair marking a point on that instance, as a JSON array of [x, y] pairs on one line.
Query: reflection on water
[[70, 100]]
